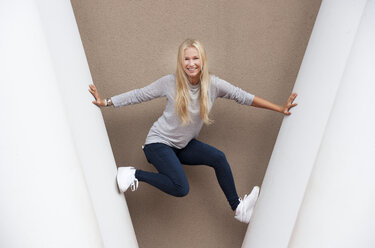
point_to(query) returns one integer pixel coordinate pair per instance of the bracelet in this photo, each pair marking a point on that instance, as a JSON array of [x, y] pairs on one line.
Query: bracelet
[[105, 102], [108, 101]]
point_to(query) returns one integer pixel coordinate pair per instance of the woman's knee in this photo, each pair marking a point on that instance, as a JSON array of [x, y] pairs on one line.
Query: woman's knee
[[182, 190], [219, 158]]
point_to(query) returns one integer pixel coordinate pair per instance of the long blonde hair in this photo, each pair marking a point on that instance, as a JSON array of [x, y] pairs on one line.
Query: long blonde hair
[[182, 98]]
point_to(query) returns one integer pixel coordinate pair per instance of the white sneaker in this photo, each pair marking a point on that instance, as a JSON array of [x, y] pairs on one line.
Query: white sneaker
[[126, 178], [245, 209]]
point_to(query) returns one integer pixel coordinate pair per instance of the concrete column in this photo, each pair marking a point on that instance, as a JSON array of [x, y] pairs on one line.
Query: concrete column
[[86, 123], [338, 209], [44, 201], [301, 133]]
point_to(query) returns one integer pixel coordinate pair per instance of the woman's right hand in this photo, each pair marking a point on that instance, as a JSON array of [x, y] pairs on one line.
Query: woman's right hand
[[98, 100]]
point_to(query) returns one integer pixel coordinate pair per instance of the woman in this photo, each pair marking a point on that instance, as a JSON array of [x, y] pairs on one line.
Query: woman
[[171, 141]]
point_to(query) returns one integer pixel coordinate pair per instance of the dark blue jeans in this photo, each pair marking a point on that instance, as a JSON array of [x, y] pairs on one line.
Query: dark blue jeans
[[171, 178]]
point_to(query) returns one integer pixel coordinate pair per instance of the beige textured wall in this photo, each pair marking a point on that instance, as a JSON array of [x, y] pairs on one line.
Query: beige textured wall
[[256, 45]]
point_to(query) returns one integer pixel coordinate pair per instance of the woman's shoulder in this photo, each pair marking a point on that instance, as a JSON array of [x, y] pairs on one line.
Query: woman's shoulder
[[165, 81], [168, 79], [213, 79], [216, 81], [213, 85], [170, 76]]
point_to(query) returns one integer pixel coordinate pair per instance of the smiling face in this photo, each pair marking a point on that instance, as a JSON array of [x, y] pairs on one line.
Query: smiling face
[[192, 64]]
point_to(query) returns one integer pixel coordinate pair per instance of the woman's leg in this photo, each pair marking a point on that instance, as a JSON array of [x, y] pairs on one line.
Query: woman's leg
[[199, 153], [171, 178]]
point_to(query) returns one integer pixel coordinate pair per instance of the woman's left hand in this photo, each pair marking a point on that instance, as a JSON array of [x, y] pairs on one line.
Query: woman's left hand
[[289, 104]]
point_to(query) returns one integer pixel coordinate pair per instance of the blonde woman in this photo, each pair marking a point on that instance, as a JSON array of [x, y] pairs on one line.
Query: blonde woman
[[171, 141]]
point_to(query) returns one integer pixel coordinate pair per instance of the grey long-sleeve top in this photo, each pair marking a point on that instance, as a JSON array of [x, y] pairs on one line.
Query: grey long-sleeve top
[[168, 128]]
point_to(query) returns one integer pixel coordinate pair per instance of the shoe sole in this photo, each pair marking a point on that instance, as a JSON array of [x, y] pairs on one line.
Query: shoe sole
[[251, 215], [254, 193], [251, 210], [117, 183], [257, 191]]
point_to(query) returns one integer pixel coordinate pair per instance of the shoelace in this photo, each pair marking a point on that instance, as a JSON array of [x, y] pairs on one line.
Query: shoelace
[[134, 185]]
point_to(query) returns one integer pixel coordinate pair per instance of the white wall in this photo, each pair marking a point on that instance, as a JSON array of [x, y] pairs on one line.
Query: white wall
[[43, 194], [57, 171], [86, 123], [300, 137], [338, 209]]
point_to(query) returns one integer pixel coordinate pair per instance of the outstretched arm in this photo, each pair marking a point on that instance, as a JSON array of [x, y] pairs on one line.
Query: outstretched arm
[[262, 103], [226, 90], [147, 93]]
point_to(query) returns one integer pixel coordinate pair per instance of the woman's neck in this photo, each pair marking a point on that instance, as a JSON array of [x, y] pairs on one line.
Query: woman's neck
[[195, 80]]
